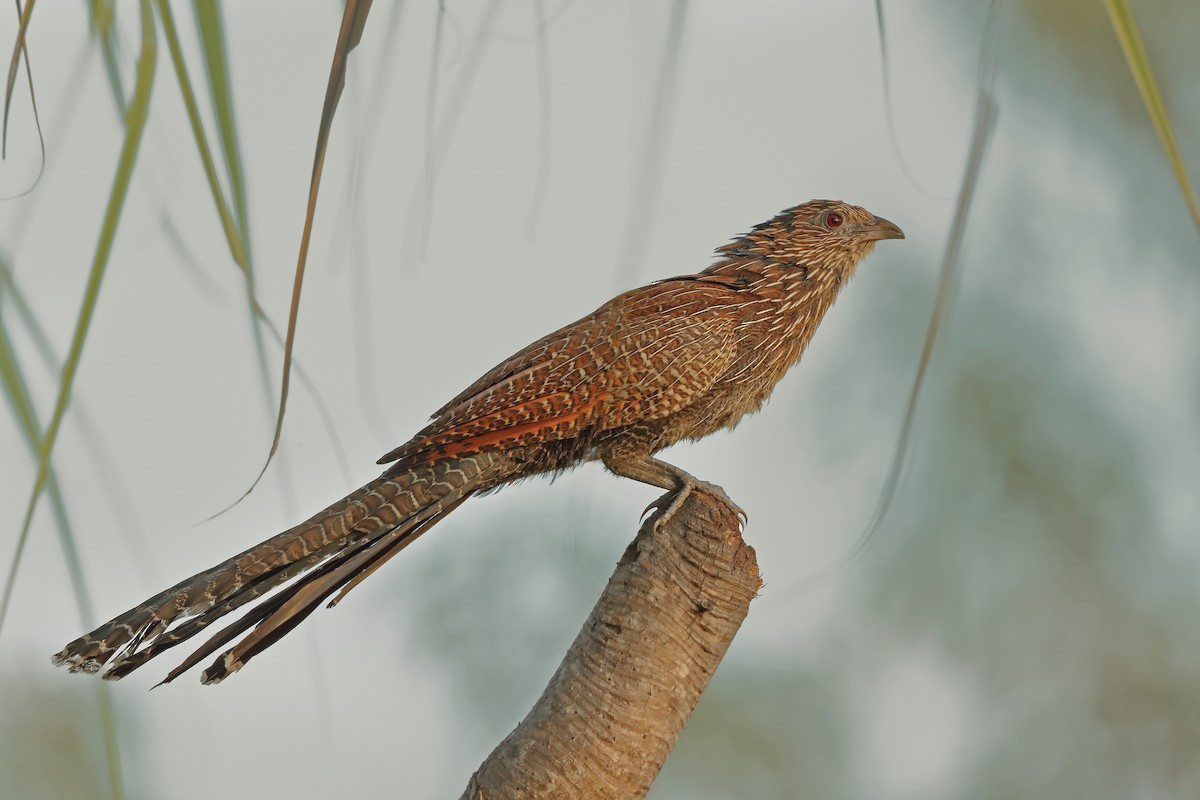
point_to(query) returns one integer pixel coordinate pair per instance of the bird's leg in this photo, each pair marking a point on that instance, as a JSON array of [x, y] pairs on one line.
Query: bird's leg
[[648, 469]]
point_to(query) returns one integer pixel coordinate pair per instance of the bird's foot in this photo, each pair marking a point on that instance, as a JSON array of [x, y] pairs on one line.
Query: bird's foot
[[671, 502]]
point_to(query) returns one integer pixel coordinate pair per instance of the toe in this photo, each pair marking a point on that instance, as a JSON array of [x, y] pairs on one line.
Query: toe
[[719, 493]]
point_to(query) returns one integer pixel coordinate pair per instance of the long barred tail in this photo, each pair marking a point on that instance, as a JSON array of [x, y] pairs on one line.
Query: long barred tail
[[333, 550]]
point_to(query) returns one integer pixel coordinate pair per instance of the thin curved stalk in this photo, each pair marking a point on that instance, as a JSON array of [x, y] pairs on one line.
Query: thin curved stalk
[[19, 49], [985, 119], [1127, 33], [354, 20], [135, 124]]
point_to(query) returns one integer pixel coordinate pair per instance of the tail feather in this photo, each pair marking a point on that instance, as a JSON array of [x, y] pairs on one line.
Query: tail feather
[[391, 549], [302, 598], [135, 655], [354, 536]]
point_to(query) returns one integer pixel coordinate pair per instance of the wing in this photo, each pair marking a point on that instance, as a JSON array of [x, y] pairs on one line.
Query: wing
[[639, 357]]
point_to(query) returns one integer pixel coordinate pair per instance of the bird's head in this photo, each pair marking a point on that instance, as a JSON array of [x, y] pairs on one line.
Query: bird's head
[[820, 234]]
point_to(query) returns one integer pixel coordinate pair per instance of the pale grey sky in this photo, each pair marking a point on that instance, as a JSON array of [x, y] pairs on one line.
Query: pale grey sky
[[775, 103]]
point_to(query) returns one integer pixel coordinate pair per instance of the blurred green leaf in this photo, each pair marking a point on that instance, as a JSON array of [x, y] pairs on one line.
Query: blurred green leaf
[[234, 230], [1130, 38], [17, 392], [15, 389], [212, 42], [233, 233], [103, 18], [211, 28], [981, 132], [135, 125], [47, 753], [1033, 558]]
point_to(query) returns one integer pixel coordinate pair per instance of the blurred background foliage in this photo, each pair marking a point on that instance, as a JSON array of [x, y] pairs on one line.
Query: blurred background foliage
[[1023, 624]]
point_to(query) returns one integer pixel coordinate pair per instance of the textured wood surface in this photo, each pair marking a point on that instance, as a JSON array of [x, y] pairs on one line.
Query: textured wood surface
[[614, 709]]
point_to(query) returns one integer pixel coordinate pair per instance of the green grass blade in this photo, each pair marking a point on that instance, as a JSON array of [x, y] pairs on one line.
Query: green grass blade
[[116, 778], [212, 41], [103, 20], [104, 470], [16, 390], [20, 49], [1127, 33], [135, 124], [211, 28], [306, 381], [233, 236], [232, 233]]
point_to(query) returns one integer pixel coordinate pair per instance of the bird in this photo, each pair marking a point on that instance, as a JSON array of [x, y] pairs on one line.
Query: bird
[[675, 360]]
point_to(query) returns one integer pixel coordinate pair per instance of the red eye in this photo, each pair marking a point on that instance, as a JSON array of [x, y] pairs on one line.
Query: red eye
[[834, 220]]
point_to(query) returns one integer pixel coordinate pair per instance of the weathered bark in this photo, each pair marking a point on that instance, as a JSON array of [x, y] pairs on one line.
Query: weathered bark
[[611, 714]]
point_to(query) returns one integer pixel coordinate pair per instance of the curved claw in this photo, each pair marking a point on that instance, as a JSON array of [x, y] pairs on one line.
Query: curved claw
[[719, 493], [658, 504], [668, 504]]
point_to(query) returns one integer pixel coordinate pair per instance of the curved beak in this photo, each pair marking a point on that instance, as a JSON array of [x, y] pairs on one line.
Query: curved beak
[[882, 229]]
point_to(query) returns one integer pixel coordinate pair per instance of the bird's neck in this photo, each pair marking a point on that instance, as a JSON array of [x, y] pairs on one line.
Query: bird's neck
[[763, 274], [798, 294]]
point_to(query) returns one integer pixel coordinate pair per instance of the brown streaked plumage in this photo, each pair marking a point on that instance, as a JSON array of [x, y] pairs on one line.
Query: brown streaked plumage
[[672, 361]]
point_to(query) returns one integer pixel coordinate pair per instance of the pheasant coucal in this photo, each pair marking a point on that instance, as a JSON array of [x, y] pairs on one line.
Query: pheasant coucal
[[674, 360]]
